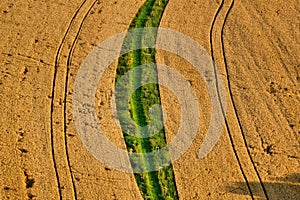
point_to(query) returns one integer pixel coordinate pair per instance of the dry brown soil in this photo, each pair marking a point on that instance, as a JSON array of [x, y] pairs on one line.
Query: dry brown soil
[[256, 49]]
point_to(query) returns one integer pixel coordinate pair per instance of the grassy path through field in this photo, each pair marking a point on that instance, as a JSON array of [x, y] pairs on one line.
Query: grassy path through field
[[157, 184]]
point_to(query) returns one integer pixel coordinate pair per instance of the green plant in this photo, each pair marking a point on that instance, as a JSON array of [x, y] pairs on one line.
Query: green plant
[[158, 184]]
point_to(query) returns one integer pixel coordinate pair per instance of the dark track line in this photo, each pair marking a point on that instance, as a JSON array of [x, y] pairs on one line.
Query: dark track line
[[218, 91], [233, 102], [53, 93], [65, 97]]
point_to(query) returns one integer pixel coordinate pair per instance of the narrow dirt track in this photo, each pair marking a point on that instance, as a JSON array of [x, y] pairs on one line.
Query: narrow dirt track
[[255, 46], [238, 152], [69, 188]]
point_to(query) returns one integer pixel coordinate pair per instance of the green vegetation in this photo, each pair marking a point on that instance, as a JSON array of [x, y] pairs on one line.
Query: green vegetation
[[158, 184]]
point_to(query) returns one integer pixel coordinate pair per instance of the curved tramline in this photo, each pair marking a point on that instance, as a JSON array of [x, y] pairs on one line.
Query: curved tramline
[[157, 184]]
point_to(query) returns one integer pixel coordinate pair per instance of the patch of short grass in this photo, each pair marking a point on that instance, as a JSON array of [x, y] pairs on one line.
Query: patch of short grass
[[158, 184]]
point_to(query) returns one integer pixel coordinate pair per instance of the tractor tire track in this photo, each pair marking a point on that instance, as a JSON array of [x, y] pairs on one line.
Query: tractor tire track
[[219, 97], [52, 106], [69, 62], [235, 150], [233, 102]]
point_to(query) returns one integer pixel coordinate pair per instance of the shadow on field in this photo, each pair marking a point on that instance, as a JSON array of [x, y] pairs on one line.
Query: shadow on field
[[282, 188]]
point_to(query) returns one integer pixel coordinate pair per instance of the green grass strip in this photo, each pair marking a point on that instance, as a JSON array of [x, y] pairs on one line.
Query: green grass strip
[[158, 184]]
